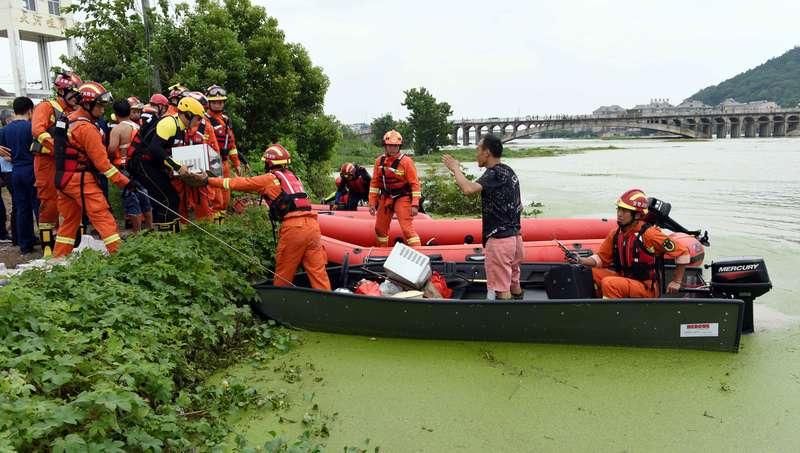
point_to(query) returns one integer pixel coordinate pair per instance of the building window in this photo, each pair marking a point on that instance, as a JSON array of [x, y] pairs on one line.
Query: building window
[[54, 6], [30, 5]]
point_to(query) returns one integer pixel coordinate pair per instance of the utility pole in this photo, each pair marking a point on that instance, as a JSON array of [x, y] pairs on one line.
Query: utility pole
[[155, 82]]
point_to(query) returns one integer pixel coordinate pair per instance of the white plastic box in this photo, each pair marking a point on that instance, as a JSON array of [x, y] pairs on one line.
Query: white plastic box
[[199, 158], [408, 266]]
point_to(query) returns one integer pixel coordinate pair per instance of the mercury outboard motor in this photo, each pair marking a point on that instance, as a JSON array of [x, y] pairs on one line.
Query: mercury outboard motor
[[742, 278]]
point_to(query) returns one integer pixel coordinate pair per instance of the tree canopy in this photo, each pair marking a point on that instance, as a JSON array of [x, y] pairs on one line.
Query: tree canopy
[[275, 91], [427, 120], [776, 80]]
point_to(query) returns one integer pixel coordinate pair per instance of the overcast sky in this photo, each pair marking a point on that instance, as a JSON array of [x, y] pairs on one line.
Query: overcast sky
[[498, 58]]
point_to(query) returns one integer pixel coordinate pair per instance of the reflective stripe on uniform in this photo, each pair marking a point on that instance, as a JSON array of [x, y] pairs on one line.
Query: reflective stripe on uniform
[[111, 239], [111, 172], [226, 183], [233, 152], [374, 190], [413, 240], [65, 240], [43, 136], [46, 226]]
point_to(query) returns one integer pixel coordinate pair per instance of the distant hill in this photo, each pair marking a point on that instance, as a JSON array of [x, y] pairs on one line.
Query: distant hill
[[776, 80]]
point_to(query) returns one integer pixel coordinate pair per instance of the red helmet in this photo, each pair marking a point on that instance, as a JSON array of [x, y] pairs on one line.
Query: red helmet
[[347, 170], [276, 155], [135, 103], [159, 99], [66, 81], [93, 92], [392, 138], [633, 200]]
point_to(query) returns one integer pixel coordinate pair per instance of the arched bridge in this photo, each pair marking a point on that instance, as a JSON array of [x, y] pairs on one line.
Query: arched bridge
[[712, 123]]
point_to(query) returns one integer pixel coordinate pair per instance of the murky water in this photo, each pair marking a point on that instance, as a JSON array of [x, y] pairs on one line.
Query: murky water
[[408, 395]]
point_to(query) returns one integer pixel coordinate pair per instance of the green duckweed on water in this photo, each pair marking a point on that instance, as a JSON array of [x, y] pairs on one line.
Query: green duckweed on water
[[435, 396]]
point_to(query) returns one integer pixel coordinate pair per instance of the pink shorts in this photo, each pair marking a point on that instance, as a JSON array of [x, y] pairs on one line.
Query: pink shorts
[[503, 256]]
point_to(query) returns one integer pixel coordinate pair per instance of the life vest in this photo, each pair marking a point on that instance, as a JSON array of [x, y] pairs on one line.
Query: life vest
[[125, 151], [392, 184], [58, 114], [632, 259], [70, 157], [292, 197], [359, 184], [221, 130]]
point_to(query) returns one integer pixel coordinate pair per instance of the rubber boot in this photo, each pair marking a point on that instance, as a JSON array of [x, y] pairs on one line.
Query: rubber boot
[[48, 240]]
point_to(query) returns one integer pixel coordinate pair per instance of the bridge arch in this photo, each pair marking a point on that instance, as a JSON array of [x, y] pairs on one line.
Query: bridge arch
[[655, 126]]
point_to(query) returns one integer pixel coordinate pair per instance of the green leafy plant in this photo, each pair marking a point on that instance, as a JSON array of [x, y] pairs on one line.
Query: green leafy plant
[[112, 353]]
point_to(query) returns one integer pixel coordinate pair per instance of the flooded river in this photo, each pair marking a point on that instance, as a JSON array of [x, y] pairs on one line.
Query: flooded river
[[435, 396]]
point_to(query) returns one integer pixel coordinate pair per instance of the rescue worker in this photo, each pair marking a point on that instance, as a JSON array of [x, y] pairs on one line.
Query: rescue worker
[[152, 165], [627, 262], [176, 93], [44, 167], [299, 236], [80, 156], [204, 201], [155, 108], [394, 190], [138, 211], [352, 186], [136, 109], [223, 129]]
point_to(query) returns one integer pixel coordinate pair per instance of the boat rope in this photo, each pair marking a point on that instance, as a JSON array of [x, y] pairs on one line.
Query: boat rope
[[220, 240]]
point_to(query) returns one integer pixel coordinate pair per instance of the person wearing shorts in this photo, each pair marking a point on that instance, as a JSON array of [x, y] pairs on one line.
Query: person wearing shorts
[[138, 209], [501, 205]]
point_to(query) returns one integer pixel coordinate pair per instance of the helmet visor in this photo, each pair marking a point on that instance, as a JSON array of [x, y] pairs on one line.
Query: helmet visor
[[217, 91], [105, 98]]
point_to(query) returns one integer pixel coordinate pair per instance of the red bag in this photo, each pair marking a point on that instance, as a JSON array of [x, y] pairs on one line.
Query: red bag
[[438, 282], [368, 288]]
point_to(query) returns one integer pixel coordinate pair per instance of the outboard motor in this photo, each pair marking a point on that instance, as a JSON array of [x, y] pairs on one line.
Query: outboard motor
[[742, 278]]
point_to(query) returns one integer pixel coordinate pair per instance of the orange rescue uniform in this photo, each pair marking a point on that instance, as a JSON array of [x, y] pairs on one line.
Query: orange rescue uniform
[[610, 284], [299, 239], [227, 149], [202, 200], [393, 191], [82, 187], [44, 164]]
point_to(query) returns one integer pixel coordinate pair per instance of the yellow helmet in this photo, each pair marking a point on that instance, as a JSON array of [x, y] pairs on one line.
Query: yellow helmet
[[191, 105]]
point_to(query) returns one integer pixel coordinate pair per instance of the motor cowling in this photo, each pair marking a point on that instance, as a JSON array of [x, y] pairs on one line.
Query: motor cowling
[[740, 277]]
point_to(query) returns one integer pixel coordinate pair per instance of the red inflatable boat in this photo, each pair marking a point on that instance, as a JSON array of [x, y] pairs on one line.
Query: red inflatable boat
[[361, 213], [535, 251], [462, 231]]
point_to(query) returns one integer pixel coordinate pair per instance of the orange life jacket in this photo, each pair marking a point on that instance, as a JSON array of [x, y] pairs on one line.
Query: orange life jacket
[[221, 130], [631, 258], [70, 157], [292, 198], [391, 183]]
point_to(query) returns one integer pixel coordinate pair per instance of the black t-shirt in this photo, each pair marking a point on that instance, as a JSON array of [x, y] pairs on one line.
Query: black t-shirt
[[501, 202]]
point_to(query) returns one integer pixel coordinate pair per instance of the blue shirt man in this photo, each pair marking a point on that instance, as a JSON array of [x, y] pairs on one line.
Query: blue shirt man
[[16, 137]]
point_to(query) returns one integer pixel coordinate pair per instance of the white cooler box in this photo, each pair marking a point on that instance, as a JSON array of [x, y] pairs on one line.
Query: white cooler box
[[408, 266], [199, 158]]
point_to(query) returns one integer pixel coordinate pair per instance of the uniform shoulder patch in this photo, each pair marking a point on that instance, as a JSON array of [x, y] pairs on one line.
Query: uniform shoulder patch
[[669, 245]]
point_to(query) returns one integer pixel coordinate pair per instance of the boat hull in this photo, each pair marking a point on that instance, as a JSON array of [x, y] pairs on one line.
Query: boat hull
[[657, 323]]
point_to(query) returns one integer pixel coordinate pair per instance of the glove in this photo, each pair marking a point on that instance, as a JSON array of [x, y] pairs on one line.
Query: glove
[[195, 179]]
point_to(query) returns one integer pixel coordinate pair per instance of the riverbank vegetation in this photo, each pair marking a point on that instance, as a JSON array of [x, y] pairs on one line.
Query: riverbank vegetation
[[113, 353]]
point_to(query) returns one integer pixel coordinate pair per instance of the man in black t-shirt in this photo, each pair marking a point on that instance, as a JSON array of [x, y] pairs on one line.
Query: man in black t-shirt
[[501, 211]]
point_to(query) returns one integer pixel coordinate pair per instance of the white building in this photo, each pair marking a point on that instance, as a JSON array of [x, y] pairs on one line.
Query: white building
[[32, 25]]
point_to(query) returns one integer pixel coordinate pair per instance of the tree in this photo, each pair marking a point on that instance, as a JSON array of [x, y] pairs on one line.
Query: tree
[[428, 120], [380, 126], [275, 91]]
